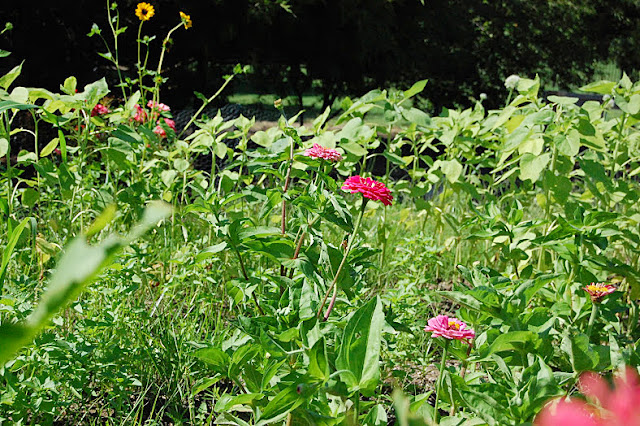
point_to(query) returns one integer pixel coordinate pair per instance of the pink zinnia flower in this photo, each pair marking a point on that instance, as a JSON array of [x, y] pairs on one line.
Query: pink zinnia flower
[[158, 106], [449, 328], [141, 114], [567, 413], [160, 131], [598, 290], [369, 188], [319, 151], [99, 109]]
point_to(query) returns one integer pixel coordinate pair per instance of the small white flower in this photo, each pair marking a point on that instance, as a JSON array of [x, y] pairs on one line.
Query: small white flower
[[512, 82], [605, 98], [483, 96], [611, 104]]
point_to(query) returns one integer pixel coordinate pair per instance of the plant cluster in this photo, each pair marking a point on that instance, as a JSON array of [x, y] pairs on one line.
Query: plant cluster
[[311, 270]]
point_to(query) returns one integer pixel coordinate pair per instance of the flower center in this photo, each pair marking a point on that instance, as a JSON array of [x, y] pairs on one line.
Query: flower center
[[595, 288], [454, 325]]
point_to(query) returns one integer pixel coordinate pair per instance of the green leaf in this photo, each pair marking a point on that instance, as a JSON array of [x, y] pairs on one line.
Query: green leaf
[[50, 147], [216, 358], [518, 341], [602, 87], [210, 251], [452, 169], [359, 352], [79, 265], [353, 148], [417, 87], [4, 147], [532, 165], [30, 197], [6, 255], [284, 402], [377, 416], [226, 401], [318, 364], [8, 78], [582, 356]]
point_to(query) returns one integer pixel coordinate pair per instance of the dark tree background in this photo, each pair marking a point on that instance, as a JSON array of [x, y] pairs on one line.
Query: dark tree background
[[331, 47]]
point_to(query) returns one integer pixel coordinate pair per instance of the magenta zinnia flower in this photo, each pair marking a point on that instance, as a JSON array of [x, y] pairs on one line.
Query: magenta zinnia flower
[[99, 109], [319, 151], [158, 106], [160, 131], [449, 328], [369, 188], [598, 290]]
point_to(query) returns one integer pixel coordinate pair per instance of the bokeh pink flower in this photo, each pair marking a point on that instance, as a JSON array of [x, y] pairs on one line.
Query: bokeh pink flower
[[369, 188], [140, 115], [619, 406], [99, 109], [449, 328], [159, 130], [158, 106], [319, 151]]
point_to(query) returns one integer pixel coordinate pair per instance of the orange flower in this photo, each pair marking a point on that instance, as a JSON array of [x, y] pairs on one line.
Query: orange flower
[[186, 20], [144, 11]]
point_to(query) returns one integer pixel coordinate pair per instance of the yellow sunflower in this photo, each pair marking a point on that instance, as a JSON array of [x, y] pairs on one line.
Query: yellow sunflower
[[144, 11], [186, 20]]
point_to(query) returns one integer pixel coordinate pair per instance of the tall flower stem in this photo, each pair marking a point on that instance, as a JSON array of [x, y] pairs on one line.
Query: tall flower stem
[[439, 384], [463, 372], [158, 77], [333, 285], [139, 41], [287, 180], [592, 318]]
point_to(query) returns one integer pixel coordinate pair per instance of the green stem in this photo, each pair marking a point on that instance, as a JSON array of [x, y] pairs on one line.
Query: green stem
[[158, 77], [344, 259], [439, 384], [204, 105], [592, 318], [139, 62]]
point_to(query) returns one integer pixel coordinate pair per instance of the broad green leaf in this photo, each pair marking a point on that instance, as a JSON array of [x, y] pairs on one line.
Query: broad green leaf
[[531, 166], [8, 78], [318, 363], [50, 147], [70, 85], [227, 401], [581, 354], [602, 87], [377, 416], [78, 266], [518, 341], [415, 89], [353, 148], [210, 251], [30, 197], [216, 358], [359, 352], [286, 401], [452, 169]]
